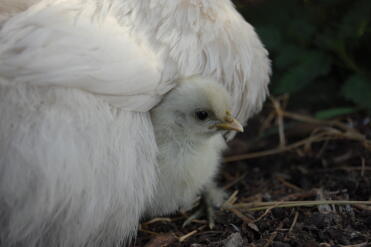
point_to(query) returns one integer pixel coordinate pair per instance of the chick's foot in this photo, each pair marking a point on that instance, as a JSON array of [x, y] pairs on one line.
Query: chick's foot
[[211, 200]]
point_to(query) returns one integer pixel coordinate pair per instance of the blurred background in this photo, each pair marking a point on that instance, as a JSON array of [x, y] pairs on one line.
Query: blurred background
[[320, 51], [321, 82]]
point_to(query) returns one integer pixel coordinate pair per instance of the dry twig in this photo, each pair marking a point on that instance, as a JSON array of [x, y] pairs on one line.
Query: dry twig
[[294, 222], [331, 130], [288, 184], [152, 221], [280, 122], [256, 206], [188, 235]]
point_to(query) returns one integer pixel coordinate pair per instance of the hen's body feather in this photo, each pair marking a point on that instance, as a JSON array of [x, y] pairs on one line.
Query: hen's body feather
[[77, 79], [74, 170]]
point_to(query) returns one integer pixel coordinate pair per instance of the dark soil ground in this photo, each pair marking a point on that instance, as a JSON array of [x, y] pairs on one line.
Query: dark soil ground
[[329, 170]]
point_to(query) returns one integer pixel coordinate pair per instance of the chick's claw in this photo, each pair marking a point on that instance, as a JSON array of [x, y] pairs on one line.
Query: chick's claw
[[196, 215], [205, 208], [210, 212], [210, 202]]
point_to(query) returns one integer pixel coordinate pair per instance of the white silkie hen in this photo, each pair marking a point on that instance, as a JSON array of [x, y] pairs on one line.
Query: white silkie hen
[[78, 151], [77, 81]]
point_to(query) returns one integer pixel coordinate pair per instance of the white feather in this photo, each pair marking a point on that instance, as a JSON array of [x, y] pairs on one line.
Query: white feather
[[74, 48], [207, 37], [74, 170], [185, 38], [9, 8]]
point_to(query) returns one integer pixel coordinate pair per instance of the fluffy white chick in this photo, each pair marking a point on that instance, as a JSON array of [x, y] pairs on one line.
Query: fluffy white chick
[[189, 124]]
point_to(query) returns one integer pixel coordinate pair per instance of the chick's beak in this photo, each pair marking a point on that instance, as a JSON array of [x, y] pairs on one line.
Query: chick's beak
[[230, 123]]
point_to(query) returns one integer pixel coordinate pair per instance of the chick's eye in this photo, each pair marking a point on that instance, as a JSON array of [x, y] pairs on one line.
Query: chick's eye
[[202, 115]]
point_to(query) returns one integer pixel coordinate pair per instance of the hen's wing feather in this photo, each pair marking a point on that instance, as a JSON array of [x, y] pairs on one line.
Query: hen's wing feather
[[9, 8], [68, 44]]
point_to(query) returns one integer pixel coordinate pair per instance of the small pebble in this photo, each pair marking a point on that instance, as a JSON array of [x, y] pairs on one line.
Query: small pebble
[[234, 240]]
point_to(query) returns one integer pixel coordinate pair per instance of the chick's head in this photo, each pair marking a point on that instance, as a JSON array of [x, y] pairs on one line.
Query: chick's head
[[197, 105]]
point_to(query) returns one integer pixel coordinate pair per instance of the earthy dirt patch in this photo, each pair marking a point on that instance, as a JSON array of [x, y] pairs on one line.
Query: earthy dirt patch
[[329, 170]]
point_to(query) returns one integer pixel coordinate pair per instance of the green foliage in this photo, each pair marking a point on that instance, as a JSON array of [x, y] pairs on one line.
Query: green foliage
[[309, 66], [320, 51], [358, 89], [331, 113]]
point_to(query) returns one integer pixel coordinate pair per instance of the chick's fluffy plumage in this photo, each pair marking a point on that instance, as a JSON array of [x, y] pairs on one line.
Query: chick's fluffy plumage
[[189, 149]]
